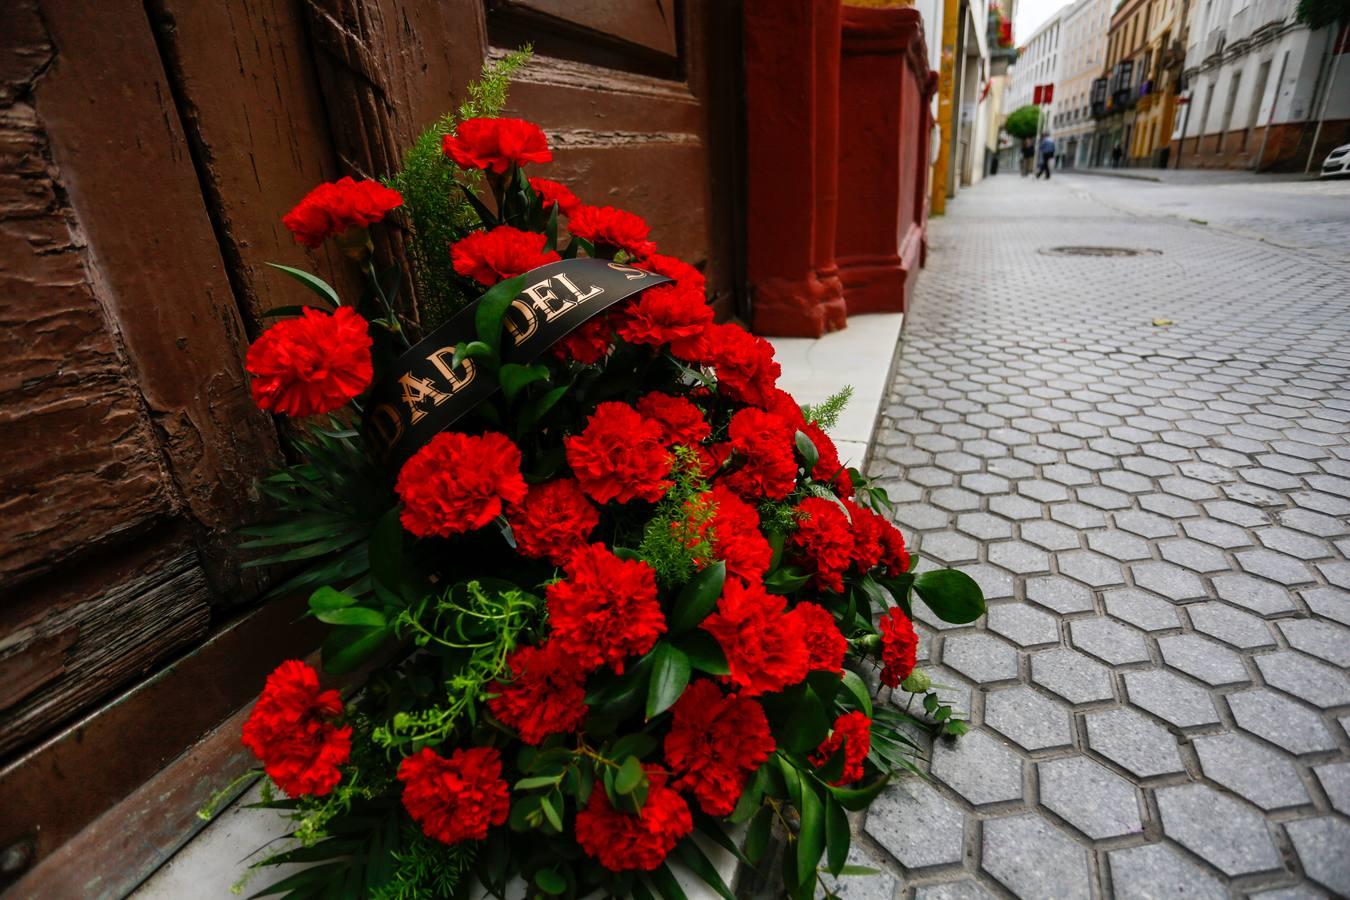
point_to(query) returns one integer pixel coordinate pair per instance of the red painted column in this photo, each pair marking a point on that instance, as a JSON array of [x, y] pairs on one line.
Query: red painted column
[[883, 158], [792, 130]]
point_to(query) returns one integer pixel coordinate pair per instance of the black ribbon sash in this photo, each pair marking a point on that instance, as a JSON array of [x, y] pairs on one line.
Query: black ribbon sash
[[423, 395]]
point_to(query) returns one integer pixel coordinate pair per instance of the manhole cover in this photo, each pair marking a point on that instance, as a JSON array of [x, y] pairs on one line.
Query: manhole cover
[[1099, 251]]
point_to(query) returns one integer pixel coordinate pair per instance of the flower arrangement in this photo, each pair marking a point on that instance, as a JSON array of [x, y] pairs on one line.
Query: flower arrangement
[[630, 596]]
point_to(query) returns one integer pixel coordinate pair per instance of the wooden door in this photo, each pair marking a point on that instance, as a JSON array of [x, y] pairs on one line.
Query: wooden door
[[147, 151]]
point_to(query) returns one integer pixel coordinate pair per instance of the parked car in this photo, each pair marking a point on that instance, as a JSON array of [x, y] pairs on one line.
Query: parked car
[[1337, 162]]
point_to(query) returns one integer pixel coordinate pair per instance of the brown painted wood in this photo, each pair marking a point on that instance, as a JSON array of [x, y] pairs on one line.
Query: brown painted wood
[[651, 24]]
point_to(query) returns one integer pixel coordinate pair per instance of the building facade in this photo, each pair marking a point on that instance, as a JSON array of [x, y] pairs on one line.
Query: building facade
[[1258, 84], [1082, 54], [1115, 94]]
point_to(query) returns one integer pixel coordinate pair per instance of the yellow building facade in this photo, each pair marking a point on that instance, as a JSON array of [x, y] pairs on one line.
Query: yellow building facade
[[1162, 59]]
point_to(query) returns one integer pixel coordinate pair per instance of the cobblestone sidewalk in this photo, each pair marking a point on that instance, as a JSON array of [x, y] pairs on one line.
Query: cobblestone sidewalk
[[1158, 514]]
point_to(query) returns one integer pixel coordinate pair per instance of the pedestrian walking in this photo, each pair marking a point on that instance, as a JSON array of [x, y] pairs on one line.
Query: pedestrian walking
[[1116, 154], [1047, 157], [1028, 156]]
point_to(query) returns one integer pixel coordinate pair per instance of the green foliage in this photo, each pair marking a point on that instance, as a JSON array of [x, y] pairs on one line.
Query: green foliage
[[778, 517], [473, 626], [1023, 122], [826, 413], [425, 868], [435, 208], [1321, 13], [676, 539]]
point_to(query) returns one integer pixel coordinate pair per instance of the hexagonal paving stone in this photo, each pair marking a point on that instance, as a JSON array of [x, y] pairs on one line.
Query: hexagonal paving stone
[[1090, 568], [1014, 507], [1118, 545], [1169, 580], [916, 824], [1193, 555], [1153, 871], [1077, 515], [980, 657], [1228, 834], [1132, 741], [1090, 797], [979, 768], [1216, 534], [1305, 678], [1109, 641], [949, 547], [1146, 524], [920, 517], [1071, 675], [1059, 593], [1168, 505], [1236, 513], [1044, 491], [1017, 557], [1321, 844], [1033, 721], [1203, 658], [1141, 609], [1335, 780], [1050, 535], [984, 526], [994, 582], [1128, 482], [984, 483], [1310, 522], [1171, 698], [1023, 625], [1261, 597], [1230, 625], [1280, 721], [1321, 639], [1062, 473], [957, 462], [1250, 769], [1277, 567], [881, 886], [1032, 858], [955, 499], [1334, 603], [960, 889], [1293, 543]]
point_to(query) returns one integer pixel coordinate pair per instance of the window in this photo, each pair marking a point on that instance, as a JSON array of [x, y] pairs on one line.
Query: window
[[1258, 94], [1228, 110]]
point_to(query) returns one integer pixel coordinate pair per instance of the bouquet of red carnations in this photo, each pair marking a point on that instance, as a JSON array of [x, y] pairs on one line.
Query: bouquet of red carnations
[[611, 589]]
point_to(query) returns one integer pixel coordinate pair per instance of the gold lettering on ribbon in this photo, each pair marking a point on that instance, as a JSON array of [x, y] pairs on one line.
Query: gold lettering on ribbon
[[547, 302], [387, 424], [523, 330], [578, 296], [416, 390], [629, 273], [442, 359]]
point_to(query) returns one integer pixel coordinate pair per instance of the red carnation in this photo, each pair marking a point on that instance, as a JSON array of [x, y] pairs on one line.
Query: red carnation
[[893, 552], [623, 841], [681, 421], [736, 537], [763, 445], [551, 192], [781, 403], [828, 468], [620, 456], [604, 610], [824, 641], [458, 482], [823, 541], [899, 647], [496, 144], [589, 343], [868, 529], [746, 370], [664, 314], [854, 732], [685, 275], [714, 744], [291, 731], [314, 363], [765, 649], [610, 230], [332, 208], [554, 519], [455, 799], [504, 252], [546, 694]]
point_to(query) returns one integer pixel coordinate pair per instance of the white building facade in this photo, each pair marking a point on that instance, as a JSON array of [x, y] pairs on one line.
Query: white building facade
[[1083, 28]]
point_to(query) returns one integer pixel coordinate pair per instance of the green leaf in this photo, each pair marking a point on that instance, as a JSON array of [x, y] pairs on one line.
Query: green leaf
[[953, 596], [325, 599], [697, 598], [837, 835], [470, 350], [858, 688], [484, 214], [630, 776], [859, 870], [811, 835], [539, 407], [551, 811], [550, 882], [666, 884], [280, 311], [757, 835], [515, 378], [490, 313], [787, 580], [551, 229], [807, 448], [704, 653], [854, 799], [797, 718], [538, 781], [636, 744], [670, 676], [386, 552], [313, 282], [691, 854], [352, 615], [346, 649]]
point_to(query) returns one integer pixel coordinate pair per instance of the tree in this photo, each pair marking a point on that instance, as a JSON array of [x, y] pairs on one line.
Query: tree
[[1023, 122], [1321, 13]]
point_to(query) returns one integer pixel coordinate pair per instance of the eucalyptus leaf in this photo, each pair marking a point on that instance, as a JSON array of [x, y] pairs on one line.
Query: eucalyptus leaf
[[697, 598], [954, 596], [670, 676]]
